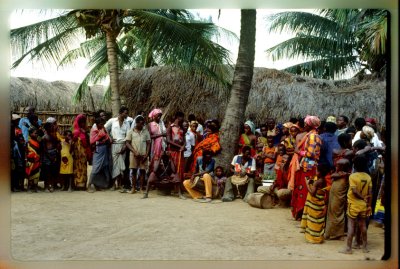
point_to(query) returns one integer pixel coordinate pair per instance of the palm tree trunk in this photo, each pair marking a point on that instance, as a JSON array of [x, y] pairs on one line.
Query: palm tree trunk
[[243, 75], [114, 73]]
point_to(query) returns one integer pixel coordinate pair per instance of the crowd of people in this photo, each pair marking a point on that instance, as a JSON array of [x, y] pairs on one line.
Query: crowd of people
[[330, 172]]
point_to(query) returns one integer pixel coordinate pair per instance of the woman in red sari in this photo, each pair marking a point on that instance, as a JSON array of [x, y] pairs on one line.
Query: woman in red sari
[[211, 143], [158, 134], [309, 154]]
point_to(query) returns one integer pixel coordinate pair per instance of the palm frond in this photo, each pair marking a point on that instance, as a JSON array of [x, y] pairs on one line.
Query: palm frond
[[86, 50], [309, 46], [326, 68], [47, 40]]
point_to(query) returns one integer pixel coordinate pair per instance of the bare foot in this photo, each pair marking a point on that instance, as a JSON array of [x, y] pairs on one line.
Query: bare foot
[[365, 250], [146, 195], [356, 246], [182, 197], [346, 251]]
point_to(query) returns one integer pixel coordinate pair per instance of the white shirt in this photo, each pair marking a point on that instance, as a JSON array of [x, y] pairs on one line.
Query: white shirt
[[117, 132], [375, 140], [190, 141], [130, 120], [246, 167], [200, 129]]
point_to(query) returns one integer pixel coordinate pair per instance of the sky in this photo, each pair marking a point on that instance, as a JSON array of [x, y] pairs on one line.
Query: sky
[[229, 19]]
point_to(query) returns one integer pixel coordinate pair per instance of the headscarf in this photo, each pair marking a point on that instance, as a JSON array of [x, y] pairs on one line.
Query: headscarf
[[368, 132], [371, 120], [288, 125], [77, 132], [155, 112], [251, 125], [312, 121], [51, 120], [15, 117], [331, 119]]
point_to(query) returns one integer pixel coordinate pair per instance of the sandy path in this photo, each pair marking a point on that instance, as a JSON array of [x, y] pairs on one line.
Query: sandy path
[[113, 226]]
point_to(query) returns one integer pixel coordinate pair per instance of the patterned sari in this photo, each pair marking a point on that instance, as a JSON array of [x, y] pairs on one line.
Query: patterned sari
[[244, 140], [308, 169], [211, 142], [294, 165], [33, 165], [81, 153], [313, 218]]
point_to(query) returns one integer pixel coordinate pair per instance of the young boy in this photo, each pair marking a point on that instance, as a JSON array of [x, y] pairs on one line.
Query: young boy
[[66, 166], [359, 203], [270, 152], [138, 142]]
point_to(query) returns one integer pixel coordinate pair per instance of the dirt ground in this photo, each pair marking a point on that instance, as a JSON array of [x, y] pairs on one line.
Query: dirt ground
[[108, 225]]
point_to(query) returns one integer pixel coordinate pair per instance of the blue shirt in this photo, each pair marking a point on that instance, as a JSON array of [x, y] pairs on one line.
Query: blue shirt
[[329, 143], [24, 125], [209, 168]]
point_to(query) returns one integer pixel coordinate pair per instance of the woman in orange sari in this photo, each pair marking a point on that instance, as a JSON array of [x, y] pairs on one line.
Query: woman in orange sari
[[309, 152], [211, 143]]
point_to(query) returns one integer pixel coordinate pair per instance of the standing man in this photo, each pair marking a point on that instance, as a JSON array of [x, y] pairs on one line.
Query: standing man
[[341, 122], [118, 128], [140, 114], [329, 142], [138, 142], [190, 143], [242, 165], [26, 122]]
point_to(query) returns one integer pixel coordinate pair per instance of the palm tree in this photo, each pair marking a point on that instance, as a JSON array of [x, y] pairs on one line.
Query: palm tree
[[118, 39], [241, 85], [332, 42]]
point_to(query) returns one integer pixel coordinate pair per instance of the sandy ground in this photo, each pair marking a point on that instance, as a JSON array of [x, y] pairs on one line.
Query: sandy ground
[[108, 225]]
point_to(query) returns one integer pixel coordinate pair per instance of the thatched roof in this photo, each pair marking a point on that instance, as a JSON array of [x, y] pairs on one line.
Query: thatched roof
[[51, 96], [274, 94]]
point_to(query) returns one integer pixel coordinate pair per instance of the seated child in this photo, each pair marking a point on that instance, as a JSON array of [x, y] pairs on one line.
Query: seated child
[[220, 179]]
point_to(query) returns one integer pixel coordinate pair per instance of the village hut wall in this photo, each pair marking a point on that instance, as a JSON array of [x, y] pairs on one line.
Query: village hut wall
[[274, 93]]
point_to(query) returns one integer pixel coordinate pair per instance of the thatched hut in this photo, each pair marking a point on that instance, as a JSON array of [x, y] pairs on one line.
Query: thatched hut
[[274, 93], [52, 96]]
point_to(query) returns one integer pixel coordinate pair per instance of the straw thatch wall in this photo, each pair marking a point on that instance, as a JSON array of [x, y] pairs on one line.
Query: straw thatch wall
[[274, 94], [52, 96]]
